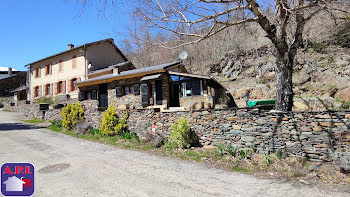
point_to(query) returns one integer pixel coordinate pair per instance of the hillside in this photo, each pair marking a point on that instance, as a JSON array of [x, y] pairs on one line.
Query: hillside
[[243, 59], [321, 78]]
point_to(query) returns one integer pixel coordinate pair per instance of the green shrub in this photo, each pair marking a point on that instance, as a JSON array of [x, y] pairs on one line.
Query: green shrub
[[181, 135], [222, 149], [232, 150], [278, 154], [318, 47], [56, 125], [95, 132], [243, 153], [342, 37], [122, 126], [109, 122], [44, 100], [129, 136], [71, 114], [267, 158]]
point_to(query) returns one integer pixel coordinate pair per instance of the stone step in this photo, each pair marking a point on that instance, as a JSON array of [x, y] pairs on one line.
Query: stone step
[[174, 109]]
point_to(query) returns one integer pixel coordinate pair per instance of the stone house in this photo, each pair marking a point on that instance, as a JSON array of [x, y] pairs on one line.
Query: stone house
[[55, 76], [11, 79], [163, 87]]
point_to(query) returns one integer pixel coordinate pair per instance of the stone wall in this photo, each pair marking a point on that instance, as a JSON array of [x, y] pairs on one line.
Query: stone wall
[[91, 113], [319, 136]]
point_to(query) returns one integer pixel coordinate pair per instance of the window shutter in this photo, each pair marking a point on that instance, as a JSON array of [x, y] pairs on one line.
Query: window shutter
[[80, 96], [69, 87], [50, 69], [40, 91], [55, 87], [136, 89], [51, 89], [39, 72], [159, 92], [34, 92], [144, 94], [63, 87], [118, 91]]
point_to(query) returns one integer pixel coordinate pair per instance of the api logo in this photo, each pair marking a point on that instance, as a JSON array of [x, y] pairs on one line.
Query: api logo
[[17, 179]]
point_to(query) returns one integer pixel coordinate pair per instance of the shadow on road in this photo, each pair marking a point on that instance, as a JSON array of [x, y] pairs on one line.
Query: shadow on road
[[16, 126]]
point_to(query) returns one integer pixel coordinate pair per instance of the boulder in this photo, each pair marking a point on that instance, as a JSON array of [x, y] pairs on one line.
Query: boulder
[[83, 127], [343, 94], [198, 105], [301, 78], [316, 104], [123, 107]]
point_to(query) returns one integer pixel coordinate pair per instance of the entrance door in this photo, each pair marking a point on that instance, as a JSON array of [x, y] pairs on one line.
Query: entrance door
[[174, 95], [103, 95]]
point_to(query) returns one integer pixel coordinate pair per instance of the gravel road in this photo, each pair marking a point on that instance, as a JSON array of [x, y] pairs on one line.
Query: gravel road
[[67, 166]]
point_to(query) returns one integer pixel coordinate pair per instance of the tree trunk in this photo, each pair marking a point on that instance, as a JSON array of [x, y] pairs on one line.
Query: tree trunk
[[284, 84]]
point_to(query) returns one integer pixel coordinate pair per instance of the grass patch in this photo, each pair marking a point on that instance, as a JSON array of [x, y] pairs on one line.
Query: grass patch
[[35, 121], [237, 168]]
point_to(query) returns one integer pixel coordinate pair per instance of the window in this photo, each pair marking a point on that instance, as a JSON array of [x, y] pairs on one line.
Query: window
[[137, 89], [47, 89], [131, 89], [48, 69], [60, 87], [37, 72], [118, 91], [191, 88], [60, 66], [72, 84], [74, 62], [36, 91]]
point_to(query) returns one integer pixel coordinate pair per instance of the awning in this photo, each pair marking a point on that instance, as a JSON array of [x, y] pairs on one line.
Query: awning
[[19, 89], [150, 77]]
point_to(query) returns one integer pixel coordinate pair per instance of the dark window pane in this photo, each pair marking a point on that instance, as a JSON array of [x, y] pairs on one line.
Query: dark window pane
[[159, 92], [196, 87], [137, 89], [188, 89], [144, 94], [118, 91]]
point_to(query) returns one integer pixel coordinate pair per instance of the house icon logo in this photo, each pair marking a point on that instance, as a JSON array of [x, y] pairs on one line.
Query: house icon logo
[[17, 179]]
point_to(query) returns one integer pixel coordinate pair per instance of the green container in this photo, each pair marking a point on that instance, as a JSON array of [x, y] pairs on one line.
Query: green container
[[262, 102]]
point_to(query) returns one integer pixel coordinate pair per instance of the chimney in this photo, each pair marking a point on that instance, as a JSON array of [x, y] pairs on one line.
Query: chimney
[[10, 72], [70, 46]]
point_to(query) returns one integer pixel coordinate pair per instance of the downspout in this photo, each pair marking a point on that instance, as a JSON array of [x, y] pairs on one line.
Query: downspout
[[85, 56]]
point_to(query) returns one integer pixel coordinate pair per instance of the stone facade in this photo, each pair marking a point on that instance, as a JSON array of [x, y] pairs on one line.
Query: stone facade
[[134, 101]]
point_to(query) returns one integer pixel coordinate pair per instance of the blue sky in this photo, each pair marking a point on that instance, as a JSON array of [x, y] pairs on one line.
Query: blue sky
[[34, 29]]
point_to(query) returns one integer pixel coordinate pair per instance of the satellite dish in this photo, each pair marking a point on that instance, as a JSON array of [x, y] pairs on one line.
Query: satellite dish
[[183, 55]]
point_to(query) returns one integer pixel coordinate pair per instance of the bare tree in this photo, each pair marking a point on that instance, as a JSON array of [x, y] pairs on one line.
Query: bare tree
[[200, 19]]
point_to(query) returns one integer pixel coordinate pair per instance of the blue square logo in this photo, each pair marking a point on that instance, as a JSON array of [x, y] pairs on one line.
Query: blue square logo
[[17, 179]]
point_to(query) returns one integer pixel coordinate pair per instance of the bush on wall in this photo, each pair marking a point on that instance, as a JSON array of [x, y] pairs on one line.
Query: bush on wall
[[109, 122], [181, 135], [121, 125], [71, 114]]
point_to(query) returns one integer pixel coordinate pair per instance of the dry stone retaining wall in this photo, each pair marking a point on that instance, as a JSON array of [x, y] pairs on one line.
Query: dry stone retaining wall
[[318, 136]]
